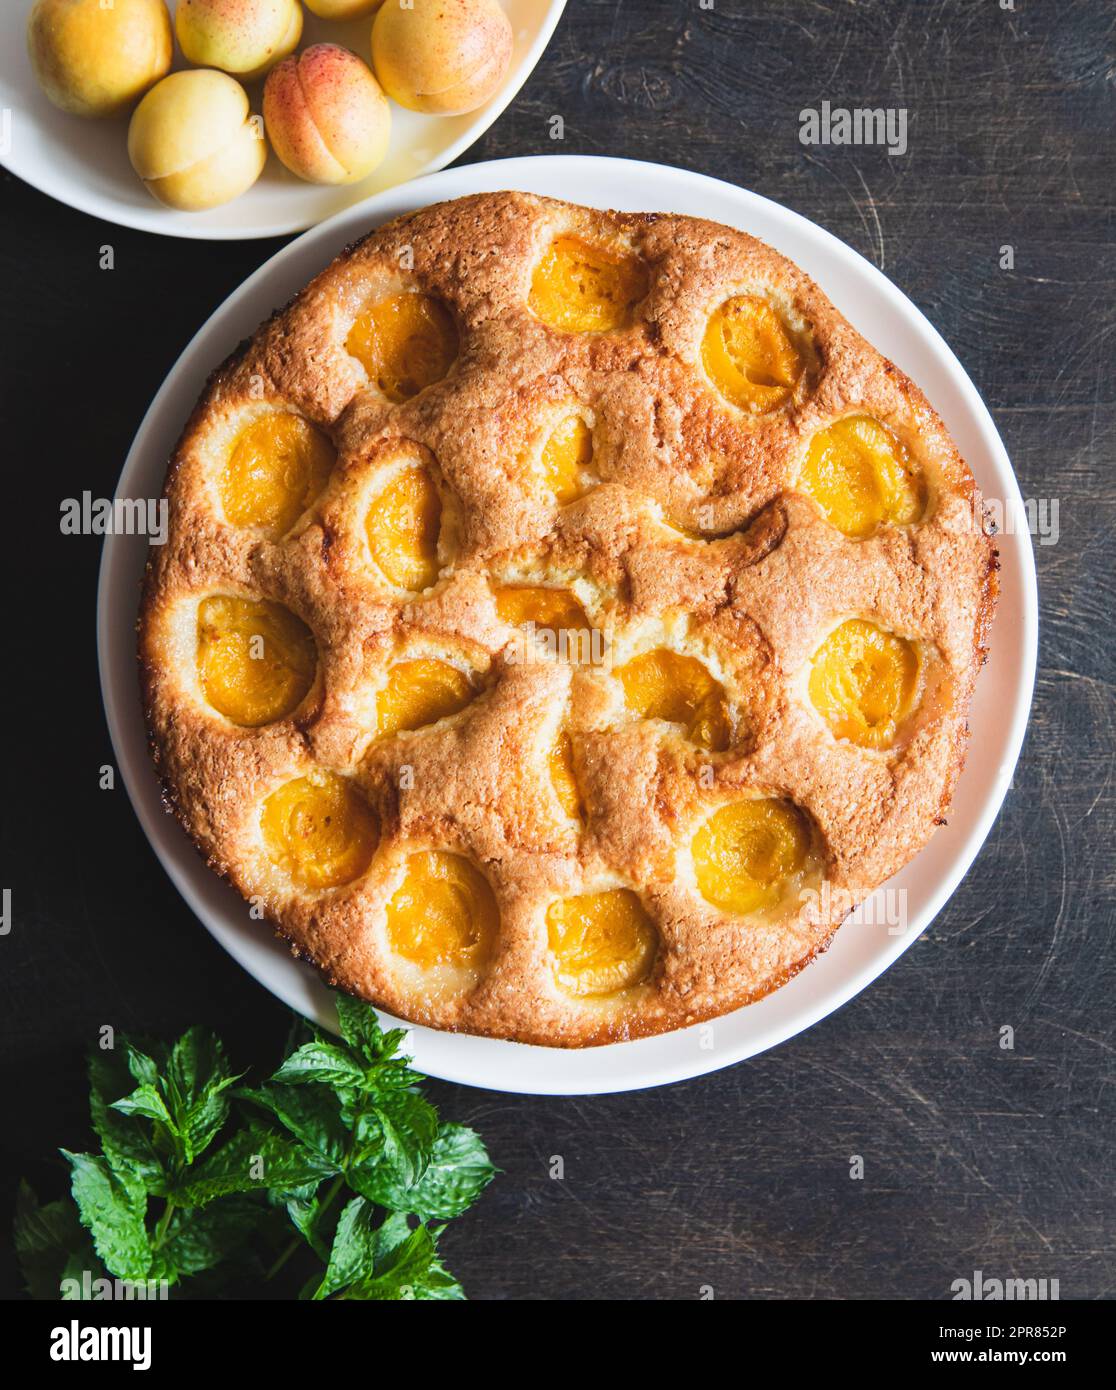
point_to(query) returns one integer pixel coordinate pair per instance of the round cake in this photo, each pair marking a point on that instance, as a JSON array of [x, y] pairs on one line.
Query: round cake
[[566, 618]]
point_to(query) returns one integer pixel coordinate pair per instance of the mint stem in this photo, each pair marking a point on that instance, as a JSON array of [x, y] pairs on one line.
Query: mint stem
[[164, 1222]]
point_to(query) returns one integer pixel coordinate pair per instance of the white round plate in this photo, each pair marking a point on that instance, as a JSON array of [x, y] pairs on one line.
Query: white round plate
[[999, 715], [85, 164]]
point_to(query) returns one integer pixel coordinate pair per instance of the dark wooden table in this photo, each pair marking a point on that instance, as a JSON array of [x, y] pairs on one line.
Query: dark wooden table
[[975, 1157]]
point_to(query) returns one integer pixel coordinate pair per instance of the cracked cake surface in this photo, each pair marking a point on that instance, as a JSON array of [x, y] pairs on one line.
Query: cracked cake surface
[[554, 603]]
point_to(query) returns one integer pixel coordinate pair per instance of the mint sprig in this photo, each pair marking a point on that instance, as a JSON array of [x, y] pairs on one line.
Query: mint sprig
[[332, 1179]]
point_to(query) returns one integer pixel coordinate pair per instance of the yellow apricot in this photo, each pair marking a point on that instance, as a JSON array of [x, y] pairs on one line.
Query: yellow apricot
[[277, 467], [663, 684], [405, 342], [600, 943], [256, 660], [862, 477], [319, 830], [419, 692], [585, 288], [746, 853], [443, 913], [863, 682], [749, 354]]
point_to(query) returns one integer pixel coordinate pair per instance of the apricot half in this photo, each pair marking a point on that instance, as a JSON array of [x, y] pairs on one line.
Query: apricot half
[[746, 853], [864, 682], [319, 830], [600, 943], [560, 765], [405, 342], [443, 913], [750, 356], [566, 456], [555, 617], [419, 692], [862, 476], [663, 684], [586, 288], [277, 467], [256, 660], [402, 526]]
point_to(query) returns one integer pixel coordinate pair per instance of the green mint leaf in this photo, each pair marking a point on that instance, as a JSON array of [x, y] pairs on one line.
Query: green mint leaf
[[186, 1103], [197, 1077], [143, 1068], [359, 1024], [352, 1254], [146, 1100], [113, 1208], [409, 1271], [391, 1045], [386, 1262], [394, 1140], [50, 1244], [303, 1192], [437, 1282], [149, 1101], [124, 1139], [322, 1062], [311, 1113], [438, 1285], [196, 1064], [458, 1172], [394, 1230], [202, 1122], [409, 1125], [198, 1238], [360, 1027], [254, 1160], [306, 1215]]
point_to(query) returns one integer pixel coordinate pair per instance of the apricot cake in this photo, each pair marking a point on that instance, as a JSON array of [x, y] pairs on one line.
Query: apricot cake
[[565, 618]]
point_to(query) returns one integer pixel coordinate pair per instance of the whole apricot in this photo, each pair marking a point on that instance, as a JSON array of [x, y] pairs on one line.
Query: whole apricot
[[341, 9], [242, 37], [444, 57], [93, 61], [327, 117], [194, 142]]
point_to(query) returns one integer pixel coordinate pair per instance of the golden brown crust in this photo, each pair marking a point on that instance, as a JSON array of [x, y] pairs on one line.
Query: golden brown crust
[[672, 456]]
